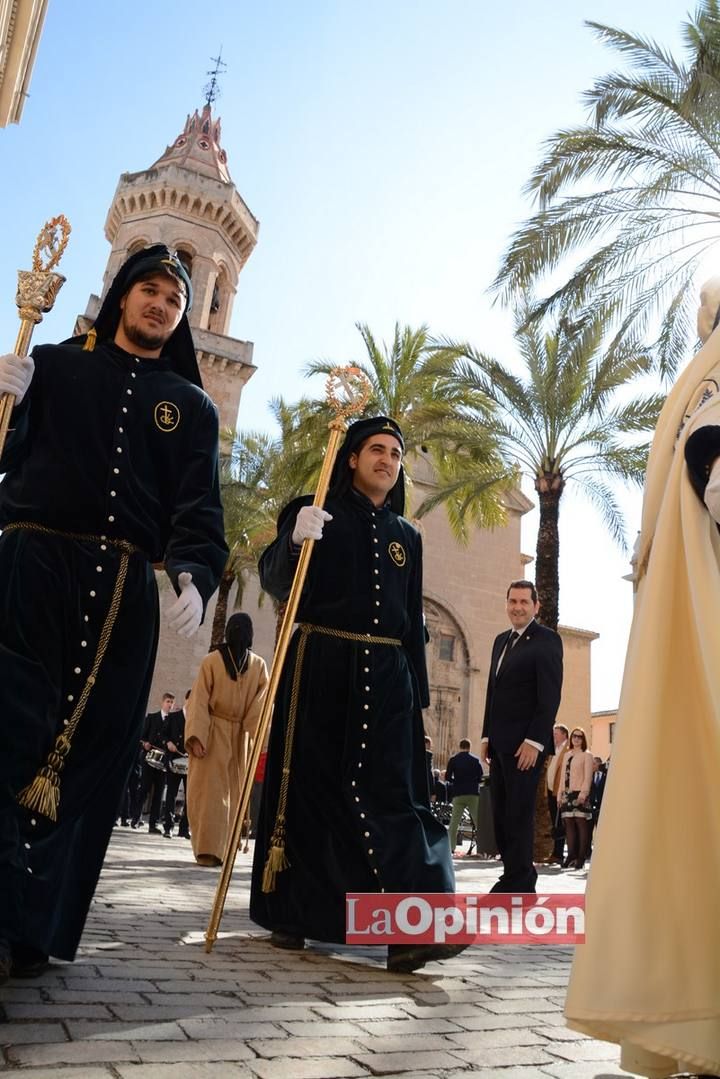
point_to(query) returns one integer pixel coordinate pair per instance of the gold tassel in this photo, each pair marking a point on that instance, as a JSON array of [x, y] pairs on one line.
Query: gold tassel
[[276, 861], [90, 339], [43, 794]]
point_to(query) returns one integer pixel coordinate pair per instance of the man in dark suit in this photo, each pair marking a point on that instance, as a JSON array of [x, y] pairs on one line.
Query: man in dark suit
[[154, 736], [175, 746], [464, 772], [523, 696], [598, 787]]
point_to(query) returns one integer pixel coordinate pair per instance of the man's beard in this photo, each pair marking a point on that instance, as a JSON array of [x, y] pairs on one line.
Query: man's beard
[[142, 339]]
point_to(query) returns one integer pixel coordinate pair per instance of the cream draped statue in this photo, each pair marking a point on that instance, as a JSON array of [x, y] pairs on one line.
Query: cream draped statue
[[648, 976]]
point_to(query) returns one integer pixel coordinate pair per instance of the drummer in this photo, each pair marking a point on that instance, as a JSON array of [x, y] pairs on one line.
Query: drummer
[[176, 771], [153, 741]]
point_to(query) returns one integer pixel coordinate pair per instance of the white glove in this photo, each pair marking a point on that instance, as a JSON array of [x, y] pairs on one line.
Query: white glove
[[15, 375], [186, 612], [711, 498], [309, 524]]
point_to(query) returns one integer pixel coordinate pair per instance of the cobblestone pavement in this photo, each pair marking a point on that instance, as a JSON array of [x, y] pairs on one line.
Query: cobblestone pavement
[[144, 1001]]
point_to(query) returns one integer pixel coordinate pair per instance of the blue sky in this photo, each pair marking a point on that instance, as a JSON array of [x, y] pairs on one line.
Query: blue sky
[[384, 148]]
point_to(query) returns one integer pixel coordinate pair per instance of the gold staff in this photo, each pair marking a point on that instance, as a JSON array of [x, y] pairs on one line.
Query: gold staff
[[247, 823], [36, 294], [351, 382]]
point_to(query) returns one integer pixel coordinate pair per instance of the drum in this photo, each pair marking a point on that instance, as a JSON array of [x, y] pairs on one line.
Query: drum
[[180, 765], [155, 758]]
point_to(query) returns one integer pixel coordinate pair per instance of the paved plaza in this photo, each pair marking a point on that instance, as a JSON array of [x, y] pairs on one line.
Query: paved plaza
[[144, 1000]]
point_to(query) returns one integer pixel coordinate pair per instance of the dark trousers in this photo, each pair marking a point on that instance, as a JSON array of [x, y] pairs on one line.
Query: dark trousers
[[173, 786], [128, 802], [557, 827], [152, 780], [125, 805], [513, 800]]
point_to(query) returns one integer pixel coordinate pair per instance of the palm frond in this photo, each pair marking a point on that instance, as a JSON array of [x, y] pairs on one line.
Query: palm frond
[[629, 203]]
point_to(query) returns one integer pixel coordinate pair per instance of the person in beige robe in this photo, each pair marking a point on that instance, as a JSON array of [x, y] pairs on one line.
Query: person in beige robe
[[221, 718], [648, 975]]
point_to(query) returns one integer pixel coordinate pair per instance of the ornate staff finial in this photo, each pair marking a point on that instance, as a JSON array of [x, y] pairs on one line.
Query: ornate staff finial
[[50, 243], [347, 391]]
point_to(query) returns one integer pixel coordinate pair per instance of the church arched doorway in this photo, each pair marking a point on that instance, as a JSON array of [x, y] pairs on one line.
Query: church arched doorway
[[446, 720]]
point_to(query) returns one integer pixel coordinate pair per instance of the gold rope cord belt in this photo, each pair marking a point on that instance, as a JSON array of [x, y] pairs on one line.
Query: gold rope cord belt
[[43, 794], [276, 859]]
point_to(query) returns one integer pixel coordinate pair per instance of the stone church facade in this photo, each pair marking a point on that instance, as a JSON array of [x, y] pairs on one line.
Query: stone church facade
[[188, 200]]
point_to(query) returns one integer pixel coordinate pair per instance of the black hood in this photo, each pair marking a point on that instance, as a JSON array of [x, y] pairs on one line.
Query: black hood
[[179, 349], [357, 433]]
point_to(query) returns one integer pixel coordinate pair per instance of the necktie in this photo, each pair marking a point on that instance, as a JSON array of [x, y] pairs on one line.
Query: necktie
[[508, 649]]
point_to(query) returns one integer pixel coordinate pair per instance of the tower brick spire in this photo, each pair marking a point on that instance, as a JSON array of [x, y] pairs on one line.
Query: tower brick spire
[[198, 148], [187, 200]]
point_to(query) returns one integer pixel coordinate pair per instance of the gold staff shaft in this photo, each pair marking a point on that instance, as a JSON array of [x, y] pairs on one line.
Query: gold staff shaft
[[247, 822], [7, 401], [337, 427]]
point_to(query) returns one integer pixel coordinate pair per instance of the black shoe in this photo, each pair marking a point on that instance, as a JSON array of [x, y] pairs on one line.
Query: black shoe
[[405, 958], [167, 835], [184, 835], [289, 941], [134, 823], [28, 962], [152, 830], [124, 823]]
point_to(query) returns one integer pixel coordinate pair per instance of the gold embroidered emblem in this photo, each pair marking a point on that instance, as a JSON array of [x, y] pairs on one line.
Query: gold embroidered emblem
[[167, 416], [397, 553]]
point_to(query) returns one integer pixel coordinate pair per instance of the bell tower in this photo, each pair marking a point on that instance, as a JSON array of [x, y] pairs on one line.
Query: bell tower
[[187, 200]]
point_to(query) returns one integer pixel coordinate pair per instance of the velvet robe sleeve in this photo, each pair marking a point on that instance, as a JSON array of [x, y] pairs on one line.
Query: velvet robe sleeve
[[197, 709], [415, 639], [197, 539], [278, 562]]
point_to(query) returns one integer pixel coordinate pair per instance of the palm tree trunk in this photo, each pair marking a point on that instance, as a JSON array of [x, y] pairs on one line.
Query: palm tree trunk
[[220, 618], [549, 488]]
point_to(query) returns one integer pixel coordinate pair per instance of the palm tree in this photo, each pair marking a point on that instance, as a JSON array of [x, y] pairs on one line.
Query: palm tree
[[633, 196], [242, 478], [411, 384], [565, 420]]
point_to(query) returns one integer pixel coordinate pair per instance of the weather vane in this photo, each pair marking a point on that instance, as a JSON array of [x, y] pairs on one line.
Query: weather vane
[[212, 89]]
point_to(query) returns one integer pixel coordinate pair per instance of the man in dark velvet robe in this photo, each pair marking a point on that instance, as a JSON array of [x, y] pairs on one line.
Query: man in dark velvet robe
[[357, 815], [110, 466]]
